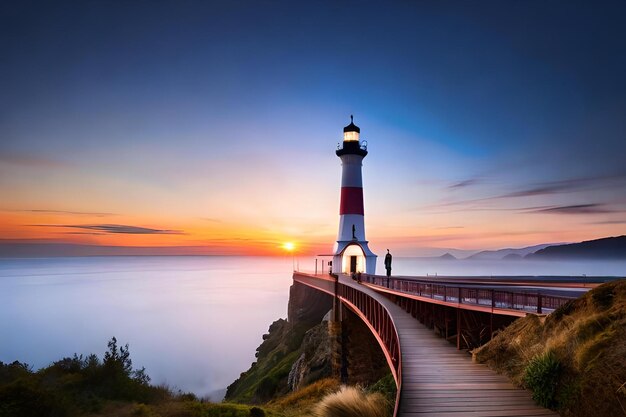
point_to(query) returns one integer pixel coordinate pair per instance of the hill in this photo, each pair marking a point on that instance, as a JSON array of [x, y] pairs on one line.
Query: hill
[[606, 248], [513, 257], [502, 253], [572, 359]]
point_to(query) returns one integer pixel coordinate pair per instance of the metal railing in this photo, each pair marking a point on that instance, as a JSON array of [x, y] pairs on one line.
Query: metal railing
[[521, 300], [370, 310], [378, 319]]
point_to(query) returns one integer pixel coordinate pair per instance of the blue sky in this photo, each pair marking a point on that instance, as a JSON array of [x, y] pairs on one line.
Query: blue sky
[[489, 123]]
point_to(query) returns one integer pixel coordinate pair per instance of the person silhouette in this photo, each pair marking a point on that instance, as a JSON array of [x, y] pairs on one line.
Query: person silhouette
[[388, 258], [354, 232]]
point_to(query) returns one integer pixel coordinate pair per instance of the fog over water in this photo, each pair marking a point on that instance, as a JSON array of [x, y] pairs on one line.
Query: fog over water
[[193, 322], [430, 266]]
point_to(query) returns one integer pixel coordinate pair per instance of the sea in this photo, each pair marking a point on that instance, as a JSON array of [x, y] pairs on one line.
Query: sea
[[193, 322]]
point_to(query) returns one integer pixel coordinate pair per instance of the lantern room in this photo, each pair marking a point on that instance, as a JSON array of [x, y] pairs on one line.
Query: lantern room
[[351, 132]]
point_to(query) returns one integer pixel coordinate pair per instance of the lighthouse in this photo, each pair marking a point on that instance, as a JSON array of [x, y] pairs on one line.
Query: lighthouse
[[351, 253]]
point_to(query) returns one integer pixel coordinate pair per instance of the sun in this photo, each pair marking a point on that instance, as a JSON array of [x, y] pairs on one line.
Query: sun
[[289, 246]]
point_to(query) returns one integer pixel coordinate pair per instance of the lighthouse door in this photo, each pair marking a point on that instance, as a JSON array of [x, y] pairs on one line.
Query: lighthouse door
[[352, 259]]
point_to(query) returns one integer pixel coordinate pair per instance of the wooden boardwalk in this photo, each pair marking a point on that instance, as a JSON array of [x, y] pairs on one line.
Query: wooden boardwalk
[[438, 380]]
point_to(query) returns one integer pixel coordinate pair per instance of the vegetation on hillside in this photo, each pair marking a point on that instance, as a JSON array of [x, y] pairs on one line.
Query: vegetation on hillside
[[573, 360], [303, 401], [351, 402], [90, 386], [267, 377]]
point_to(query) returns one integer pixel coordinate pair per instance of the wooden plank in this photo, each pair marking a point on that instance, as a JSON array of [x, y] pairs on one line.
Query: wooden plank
[[513, 413]]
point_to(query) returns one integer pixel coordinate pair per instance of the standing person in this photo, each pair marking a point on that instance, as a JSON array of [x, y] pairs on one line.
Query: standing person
[[388, 266]]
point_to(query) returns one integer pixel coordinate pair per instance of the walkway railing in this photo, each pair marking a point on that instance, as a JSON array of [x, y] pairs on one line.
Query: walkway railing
[[521, 300], [378, 319], [373, 314]]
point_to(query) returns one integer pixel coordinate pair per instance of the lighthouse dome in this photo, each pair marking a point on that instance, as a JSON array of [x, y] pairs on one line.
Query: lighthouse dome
[[351, 132]]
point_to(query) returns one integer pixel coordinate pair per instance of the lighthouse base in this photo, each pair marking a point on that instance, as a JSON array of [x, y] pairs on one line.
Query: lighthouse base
[[353, 256]]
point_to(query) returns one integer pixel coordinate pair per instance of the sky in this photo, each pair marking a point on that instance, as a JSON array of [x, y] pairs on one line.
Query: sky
[[212, 125]]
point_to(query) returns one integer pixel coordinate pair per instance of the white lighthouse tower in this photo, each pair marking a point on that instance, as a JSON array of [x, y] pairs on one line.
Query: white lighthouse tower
[[351, 253]]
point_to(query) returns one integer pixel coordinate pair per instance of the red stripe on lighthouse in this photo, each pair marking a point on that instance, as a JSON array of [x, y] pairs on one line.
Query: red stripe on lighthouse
[[351, 200]]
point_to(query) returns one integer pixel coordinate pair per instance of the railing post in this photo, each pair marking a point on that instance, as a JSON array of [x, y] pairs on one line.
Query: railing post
[[458, 326], [539, 306]]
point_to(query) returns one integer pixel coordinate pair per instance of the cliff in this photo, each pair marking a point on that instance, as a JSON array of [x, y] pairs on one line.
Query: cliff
[[572, 359], [299, 354], [294, 351]]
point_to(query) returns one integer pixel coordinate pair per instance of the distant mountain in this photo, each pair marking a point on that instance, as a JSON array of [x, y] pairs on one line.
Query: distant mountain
[[513, 257], [490, 255], [606, 248], [447, 257], [429, 252]]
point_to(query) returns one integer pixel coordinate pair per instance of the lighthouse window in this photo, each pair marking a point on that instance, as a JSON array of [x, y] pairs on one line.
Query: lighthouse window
[[351, 136]]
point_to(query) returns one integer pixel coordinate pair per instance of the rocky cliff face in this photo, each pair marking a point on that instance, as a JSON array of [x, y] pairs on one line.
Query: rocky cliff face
[[314, 362], [306, 348], [302, 339], [306, 305]]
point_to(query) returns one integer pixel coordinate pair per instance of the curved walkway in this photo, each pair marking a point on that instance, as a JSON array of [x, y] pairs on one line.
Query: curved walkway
[[438, 380]]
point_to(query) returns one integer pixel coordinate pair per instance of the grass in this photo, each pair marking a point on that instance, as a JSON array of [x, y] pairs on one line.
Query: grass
[[303, 401], [352, 402], [542, 377], [386, 386], [585, 337], [184, 409]]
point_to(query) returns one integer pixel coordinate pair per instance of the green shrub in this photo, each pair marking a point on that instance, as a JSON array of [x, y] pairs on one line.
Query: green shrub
[[603, 296], [387, 387], [11, 371], [266, 388], [25, 398], [564, 310], [542, 377], [257, 412]]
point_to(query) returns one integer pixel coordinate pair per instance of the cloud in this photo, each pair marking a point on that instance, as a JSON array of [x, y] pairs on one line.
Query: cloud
[[209, 219], [116, 229], [30, 160], [575, 209], [82, 233], [74, 213], [433, 238], [464, 183], [569, 185], [610, 222]]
